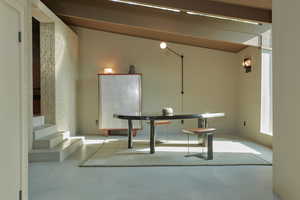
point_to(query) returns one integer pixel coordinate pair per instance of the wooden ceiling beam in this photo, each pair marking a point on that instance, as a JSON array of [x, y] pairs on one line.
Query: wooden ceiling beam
[[151, 34], [203, 6], [216, 8]]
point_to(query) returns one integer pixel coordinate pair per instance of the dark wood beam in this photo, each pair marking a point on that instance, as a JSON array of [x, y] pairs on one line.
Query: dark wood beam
[[203, 6], [151, 34], [217, 8]]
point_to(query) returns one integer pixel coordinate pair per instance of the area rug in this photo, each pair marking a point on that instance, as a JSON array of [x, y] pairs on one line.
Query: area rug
[[114, 153]]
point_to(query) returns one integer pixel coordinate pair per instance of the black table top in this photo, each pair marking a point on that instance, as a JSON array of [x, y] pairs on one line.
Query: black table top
[[160, 116]]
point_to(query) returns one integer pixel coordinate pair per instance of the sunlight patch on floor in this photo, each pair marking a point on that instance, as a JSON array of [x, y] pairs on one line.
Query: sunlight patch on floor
[[219, 146], [233, 147], [88, 141]]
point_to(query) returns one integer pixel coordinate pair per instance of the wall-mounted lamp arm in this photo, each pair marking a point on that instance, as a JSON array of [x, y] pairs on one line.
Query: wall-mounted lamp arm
[[181, 56], [177, 54], [163, 45]]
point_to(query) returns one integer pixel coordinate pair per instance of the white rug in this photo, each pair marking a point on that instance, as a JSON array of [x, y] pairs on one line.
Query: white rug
[[114, 153]]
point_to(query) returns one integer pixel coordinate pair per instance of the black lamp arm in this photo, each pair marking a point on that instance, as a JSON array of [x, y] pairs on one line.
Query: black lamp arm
[[182, 71], [177, 54]]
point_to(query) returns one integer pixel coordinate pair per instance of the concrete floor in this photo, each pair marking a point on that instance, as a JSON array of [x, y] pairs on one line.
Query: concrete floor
[[66, 181]]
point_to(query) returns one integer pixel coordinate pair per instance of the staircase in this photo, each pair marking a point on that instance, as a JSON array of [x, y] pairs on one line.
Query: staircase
[[49, 144]]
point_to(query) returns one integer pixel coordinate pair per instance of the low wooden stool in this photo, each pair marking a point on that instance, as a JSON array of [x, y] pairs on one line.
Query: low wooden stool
[[107, 132], [162, 122], [206, 132]]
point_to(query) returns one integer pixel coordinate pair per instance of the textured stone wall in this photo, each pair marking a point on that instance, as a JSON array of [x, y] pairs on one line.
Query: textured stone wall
[[47, 35]]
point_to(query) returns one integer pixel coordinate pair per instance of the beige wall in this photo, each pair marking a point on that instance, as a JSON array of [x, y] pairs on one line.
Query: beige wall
[[66, 66], [210, 77], [249, 98], [286, 44]]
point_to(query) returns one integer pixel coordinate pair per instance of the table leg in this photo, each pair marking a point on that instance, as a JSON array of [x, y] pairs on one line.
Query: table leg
[[152, 137], [202, 123], [130, 134], [210, 147]]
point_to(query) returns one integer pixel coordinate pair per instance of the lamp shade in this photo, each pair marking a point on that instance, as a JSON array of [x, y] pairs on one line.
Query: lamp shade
[[108, 71], [163, 45]]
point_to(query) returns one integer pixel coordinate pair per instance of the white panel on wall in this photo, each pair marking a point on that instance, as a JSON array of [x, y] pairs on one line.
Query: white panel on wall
[[118, 94]]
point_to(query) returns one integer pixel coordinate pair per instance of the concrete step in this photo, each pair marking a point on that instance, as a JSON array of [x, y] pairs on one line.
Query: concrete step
[[50, 141], [38, 121], [44, 131], [58, 153]]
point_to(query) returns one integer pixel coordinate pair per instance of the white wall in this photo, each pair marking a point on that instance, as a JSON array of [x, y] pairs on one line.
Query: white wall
[[66, 67], [210, 77], [286, 137], [249, 98]]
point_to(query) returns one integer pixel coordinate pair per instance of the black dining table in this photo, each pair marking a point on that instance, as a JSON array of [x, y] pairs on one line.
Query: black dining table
[[152, 117]]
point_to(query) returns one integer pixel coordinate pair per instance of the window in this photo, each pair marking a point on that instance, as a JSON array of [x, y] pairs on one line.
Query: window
[[266, 118]]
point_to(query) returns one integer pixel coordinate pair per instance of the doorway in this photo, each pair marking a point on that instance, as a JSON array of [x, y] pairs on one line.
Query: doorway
[[36, 67]]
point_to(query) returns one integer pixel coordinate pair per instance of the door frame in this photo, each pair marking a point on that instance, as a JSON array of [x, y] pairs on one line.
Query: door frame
[[23, 7]]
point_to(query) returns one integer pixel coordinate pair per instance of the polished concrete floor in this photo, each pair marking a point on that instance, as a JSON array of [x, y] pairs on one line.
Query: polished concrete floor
[[66, 181]]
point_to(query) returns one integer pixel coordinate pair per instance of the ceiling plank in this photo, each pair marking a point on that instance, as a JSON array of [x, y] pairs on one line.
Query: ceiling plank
[[151, 34], [217, 8], [264, 4]]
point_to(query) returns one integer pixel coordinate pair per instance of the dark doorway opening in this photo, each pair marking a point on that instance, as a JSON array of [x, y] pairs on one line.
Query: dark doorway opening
[[36, 67]]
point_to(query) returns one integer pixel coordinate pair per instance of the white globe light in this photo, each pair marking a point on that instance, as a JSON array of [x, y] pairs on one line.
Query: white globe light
[[163, 45]]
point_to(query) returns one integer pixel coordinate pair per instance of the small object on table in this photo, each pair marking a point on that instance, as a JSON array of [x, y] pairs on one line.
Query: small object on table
[[167, 111], [131, 69], [206, 132]]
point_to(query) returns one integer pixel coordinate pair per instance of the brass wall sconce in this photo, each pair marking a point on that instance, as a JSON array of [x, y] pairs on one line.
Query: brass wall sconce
[[247, 64], [108, 71]]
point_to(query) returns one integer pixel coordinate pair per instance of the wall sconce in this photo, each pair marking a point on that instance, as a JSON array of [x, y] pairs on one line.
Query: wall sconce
[[108, 71], [247, 65]]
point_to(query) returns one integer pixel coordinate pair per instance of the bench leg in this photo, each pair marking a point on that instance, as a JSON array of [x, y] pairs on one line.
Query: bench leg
[[209, 155], [202, 123], [210, 147], [130, 134], [152, 137]]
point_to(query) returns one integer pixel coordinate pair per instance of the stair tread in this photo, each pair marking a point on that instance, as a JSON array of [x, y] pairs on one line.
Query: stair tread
[[38, 121], [43, 127], [60, 147], [49, 137]]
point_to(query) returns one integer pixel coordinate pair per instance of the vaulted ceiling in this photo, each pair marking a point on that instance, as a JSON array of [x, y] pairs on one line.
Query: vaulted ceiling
[[169, 26]]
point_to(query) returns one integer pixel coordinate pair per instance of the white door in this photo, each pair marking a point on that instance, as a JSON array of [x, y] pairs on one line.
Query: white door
[[10, 100]]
